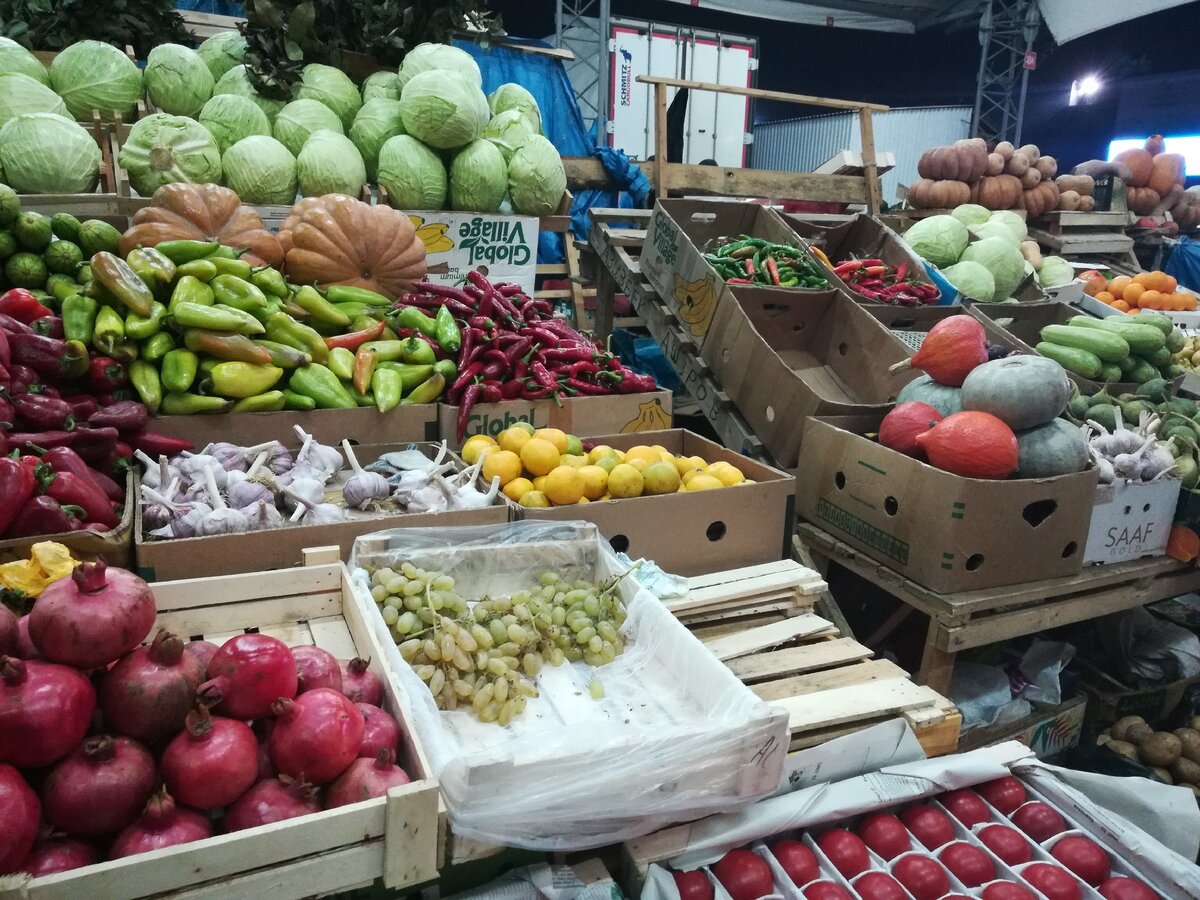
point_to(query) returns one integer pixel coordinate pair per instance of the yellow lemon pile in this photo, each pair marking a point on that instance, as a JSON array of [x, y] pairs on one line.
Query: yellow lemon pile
[[546, 467]]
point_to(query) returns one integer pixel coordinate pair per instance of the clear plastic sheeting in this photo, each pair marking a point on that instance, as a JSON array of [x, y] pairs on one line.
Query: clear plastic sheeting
[[676, 736]]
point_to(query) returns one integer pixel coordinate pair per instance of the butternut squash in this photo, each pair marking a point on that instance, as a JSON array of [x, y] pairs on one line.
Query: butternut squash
[[1087, 203], [1031, 152], [1006, 150], [1047, 165], [1031, 179], [1084, 185], [1018, 164], [1069, 200], [995, 164]]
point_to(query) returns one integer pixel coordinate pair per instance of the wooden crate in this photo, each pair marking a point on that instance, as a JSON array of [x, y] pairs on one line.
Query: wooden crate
[[1074, 233], [393, 837]]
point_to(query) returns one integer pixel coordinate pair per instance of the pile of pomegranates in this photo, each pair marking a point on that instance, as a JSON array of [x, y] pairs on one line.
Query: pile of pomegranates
[[110, 747]]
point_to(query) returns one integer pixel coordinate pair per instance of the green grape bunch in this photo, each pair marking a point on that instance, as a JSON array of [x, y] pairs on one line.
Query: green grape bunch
[[486, 654]]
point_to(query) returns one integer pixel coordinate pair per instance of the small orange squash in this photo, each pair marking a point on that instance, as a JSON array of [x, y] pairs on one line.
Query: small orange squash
[[1142, 200], [899, 429], [1140, 164], [1155, 144], [1166, 172], [971, 444], [953, 347], [1183, 544]]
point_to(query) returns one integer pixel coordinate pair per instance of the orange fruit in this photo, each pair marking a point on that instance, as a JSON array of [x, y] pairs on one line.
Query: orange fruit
[[1105, 297], [1121, 305], [504, 463], [1151, 300], [1189, 301], [1095, 285], [1132, 293], [1168, 283], [539, 456], [1117, 286], [1146, 279], [517, 488], [564, 486], [555, 436]]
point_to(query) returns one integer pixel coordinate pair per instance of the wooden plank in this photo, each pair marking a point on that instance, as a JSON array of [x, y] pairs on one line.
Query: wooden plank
[[610, 214], [796, 660], [751, 587], [870, 166], [659, 177], [774, 185], [846, 704], [734, 645], [819, 682], [731, 575], [759, 94], [713, 616]]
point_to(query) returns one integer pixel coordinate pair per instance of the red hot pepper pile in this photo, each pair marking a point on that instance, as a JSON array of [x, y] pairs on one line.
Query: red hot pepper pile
[[68, 425], [873, 279], [514, 349]]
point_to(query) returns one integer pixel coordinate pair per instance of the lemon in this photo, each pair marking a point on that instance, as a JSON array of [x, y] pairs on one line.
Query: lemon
[[595, 481], [513, 439], [475, 447], [692, 473], [517, 488], [608, 463], [574, 446], [660, 478], [564, 486], [504, 463], [642, 452], [539, 456], [625, 481], [599, 452], [639, 463], [555, 436], [684, 464], [704, 482], [575, 462], [620, 455], [659, 447], [583, 500], [667, 457], [699, 462], [539, 483], [534, 500], [526, 427], [727, 473]]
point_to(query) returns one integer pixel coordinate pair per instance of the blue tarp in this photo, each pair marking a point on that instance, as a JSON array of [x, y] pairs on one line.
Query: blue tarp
[[1184, 264], [213, 7]]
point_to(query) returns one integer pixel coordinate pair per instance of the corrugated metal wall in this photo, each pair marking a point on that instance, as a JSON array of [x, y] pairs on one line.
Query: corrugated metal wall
[[800, 145]]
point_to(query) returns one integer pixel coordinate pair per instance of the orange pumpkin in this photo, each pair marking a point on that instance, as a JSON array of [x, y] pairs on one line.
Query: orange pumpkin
[[1155, 144], [927, 194], [336, 239], [971, 444], [202, 212], [899, 429], [953, 347], [997, 192], [1142, 200], [1140, 164], [1166, 171]]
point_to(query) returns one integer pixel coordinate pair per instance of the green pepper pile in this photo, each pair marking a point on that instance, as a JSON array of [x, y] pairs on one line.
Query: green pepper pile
[[748, 260], [203, 331]]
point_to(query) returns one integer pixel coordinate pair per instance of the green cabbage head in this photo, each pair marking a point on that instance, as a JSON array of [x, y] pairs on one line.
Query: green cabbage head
[[163, 149], [412, 174], [1012, 221], [237, 81], [376, 123], [260, 170], [433, 57], [972, 280], [1055, 271], [443, 110], [939, 239], [510, 131], [993, 228], [536, 179], [231, 117], [514, 96], [15, 58], [177, 80], [222, 52], [332, 87], [20, 94], [971, 214], [381, 84], [300, 119], [92, 75], [1003, 259], [329, 163], [44, 153], [478, 178]]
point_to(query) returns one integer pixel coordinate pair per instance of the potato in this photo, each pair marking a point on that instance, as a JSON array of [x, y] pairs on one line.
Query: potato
[[1160, 749], [1186, 771], [1123, 748], [1163, 775], [1138, 732], [1191, 743], [1120, 728]]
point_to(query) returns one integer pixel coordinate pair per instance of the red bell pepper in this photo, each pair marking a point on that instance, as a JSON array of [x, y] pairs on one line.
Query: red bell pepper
[[44, 413], [23, 306], [156, 445], [82, 491], [95, 444], [23, 380], [5, 353], [112, 490], [45, 440], [48, 326], [469, 398], [128, 415], [82, 406], [44, 516], [64, 459], [17, 484], [49, 357], [106, 374]]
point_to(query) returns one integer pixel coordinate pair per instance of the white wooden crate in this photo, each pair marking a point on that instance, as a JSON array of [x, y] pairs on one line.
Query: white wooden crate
[[394, 837]]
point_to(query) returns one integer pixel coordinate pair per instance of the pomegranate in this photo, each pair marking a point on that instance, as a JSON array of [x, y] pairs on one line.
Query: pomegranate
[[25, 648], [879, 886], [9, 631], [45, 710], [316, 736], [212, 762], [22, 814], [797, 860], [968, 863], [380, 731], [1084, 857], [845, 850], [1007, 843], [899, 429], [966, 806], [366, 779], [58, 854], [203, 651], [162, 824], [147, 695], [247, 674], [826, 890], [316, 668], [272, 800], [885, 834], [100, 787], [924, 878], [929, 825], [359, 683], [92, 618]]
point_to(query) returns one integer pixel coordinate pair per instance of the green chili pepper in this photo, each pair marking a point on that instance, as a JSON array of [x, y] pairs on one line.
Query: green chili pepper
[[284, 356], [239, 293], [418, 352], [193, 404], [320, 384], [182, 252], [387, 388], [341, 363], [341, 293], [224, 252], [240, 380], [271, 401], [190, 289], [138, 328], [230, 266], [283, 328], [426, 392], [151, 265], [157, 346], [250, 323], [410, 375], [447, 369], [270, 282], [411, 317], [448, 336], [179, 369], [320, 310], [200, 269], [225, 346], [362, 400], [193, 315], [144, 378], [354, 310], [292, 400], [122, 282], [109, 331], [60, 287], [79, 318]]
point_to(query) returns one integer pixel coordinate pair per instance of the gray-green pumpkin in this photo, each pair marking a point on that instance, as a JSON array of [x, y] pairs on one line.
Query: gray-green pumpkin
[[1056, 448], [946, 400], [1021, 391]]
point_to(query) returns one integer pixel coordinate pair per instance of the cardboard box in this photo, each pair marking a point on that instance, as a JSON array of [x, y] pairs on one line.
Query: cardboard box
[[943, 531], [782, 356], [581, 416], [679, 234], [1131, 520], [281, 548], [504, 247], [365, 425], [910, 324], [114, 545], [1109, 699], [1045, 731], [693, 533]]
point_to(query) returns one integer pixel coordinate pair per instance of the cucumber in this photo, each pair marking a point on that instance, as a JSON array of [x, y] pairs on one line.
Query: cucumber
[[1162, 323], [1142, 372], [1109, 347], [1080, 362], [1111, 373], [1175, 340], [1157, 358], [1141, 338]]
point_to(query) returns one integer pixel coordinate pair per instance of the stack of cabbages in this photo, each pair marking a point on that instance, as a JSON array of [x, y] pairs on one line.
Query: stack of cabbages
[[427, 135]]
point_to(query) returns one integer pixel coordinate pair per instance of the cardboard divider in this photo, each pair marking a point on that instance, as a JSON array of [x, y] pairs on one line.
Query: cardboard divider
[[693, 533], [783, 356], [365, 425], [936, 528]]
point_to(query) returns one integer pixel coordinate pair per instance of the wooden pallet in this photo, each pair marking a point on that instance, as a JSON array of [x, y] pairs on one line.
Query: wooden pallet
[[1078, 233], [760, 622]]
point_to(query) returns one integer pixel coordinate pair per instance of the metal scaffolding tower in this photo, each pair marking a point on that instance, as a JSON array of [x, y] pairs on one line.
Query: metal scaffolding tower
[[1007, 30], [582, 25]]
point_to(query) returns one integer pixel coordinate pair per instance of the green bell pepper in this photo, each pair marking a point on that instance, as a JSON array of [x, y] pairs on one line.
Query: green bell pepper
[[271, 401], [410, 375], [270, 282], [447, 369], [179, 369], [426, 392], [387, 388], [250, 323], [79, 318], [411, 317], [151, 266], [122, 282], [230, 266], [320, 384], [292, 400], [157, 346], [183, 252], [241, 380], [342, 293], [212, 318], [190, 289], [109, 332], [225, 346], [239, 293], [200, 269], [144, 378], [284, 356], [138, 328]]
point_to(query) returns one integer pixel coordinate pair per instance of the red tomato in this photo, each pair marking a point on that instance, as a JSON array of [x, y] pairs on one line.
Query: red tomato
[[1007, 843], [1006, 793], [744, 874], [797, 860], [969, 864], [966, 806], [885, 834], [1053, 881], [879, 886], [1084, 857], [930, 826], [1119, 888], [826, 890], [1039, 821], [693, 885], [846, 851], [1006, 890], [925, 878]]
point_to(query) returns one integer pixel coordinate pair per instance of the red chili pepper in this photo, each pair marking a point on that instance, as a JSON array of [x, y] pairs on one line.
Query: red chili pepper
[[636, 383], [544, 378], [583, 367], [867, 292], [901, 271], [44, 413], [128, 415], [45, 516], [469, 399], [872, 262], [585, 387], [82, 491], [17, 485], [845, 268], [508, 289], [570, 354], [511, 390], [457, 299], [155, 445], [490, 393], [483, 323], [748, 265], [354, 339], [82, 406], [738, 281], [772, 269], [23, 306], [875, 270], [465, 378], [533, 391]]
